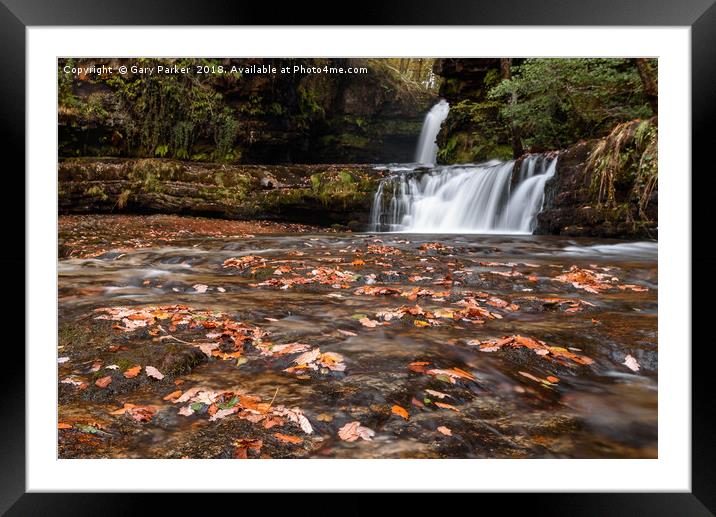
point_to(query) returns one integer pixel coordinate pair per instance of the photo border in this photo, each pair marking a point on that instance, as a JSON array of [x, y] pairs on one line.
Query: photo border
[[700, 15]]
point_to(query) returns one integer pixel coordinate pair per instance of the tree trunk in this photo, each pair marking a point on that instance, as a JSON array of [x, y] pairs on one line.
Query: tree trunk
[[648, 80], [517, 149]]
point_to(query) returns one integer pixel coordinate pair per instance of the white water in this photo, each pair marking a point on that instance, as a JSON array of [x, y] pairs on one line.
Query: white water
[[465, 199], [427, 150]]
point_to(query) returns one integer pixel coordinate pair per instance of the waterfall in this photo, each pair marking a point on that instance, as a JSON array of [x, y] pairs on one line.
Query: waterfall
[[488, 198], [427, 150]]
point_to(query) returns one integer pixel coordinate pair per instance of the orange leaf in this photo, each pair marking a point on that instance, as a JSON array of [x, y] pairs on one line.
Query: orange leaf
[[445, 430], [447, 406], [62, 425], [418, 366], [400, 412], [552, 379], [133, 372], [173, 395], [287, 438], [104, 381]]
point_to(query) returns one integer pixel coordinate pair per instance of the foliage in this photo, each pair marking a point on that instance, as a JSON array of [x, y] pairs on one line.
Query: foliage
[[161, 115], [625, 164], [555, 102]]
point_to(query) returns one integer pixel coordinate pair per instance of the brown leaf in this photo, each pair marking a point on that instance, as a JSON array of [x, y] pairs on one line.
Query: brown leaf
[[104, 381], [353, 430], [444, 430], [141, 413], [153, 372], [272, 421], [63, 425], [367, 322], [242, 446]]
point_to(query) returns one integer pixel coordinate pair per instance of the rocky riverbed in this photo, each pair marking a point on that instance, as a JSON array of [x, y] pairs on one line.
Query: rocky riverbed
[[224, 340]]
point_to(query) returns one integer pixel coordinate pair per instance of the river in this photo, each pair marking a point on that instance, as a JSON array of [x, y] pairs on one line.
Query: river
[[444, 346]]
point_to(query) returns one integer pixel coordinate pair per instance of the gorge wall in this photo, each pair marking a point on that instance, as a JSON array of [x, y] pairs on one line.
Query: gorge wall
[[473, 131], [322, 195], [606, 187], [245, 117]]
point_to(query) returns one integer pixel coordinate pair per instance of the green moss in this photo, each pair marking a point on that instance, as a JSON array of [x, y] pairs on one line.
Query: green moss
[[97, 192]]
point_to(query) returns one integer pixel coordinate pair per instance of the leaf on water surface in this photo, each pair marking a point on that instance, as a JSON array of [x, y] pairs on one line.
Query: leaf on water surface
[[438, 394], [367, 322], [223, 413], [376, 291], [173, 395], [447, 406], [63, 425], [400, 411], [418, 366], [544, 382], [346, 332], [103, 382], [324, 417], [538, 347], [186, 411], [111, 367], [141, 413], [354, 430], [445, 430], [452, 373], [295, 415], [207, 348], [288, 438], [153, 373], [631, 363], [133, 371], [61, 360]]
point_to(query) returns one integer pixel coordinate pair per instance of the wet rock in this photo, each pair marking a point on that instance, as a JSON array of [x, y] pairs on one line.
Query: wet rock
[[182, 361]]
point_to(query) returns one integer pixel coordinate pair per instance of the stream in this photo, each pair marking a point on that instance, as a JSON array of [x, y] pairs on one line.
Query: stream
[[438, 346]]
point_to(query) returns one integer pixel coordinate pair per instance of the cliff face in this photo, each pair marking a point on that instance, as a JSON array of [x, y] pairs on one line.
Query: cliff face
[[322, 195], [296, 117], [606, 187], [473, 130]]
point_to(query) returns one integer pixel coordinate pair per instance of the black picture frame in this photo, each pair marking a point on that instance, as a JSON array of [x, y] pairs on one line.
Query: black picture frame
[[699, 15]]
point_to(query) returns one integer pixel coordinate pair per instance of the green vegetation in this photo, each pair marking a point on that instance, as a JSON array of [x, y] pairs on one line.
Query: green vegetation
[[625, 165], [556, 102], [162, 115]]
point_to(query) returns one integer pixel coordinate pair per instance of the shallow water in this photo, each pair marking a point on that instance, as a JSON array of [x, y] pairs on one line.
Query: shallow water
[[602, 409]]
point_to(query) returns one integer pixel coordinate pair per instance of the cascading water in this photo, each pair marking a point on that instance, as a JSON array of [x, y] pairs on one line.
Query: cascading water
[[427, 150], [486, 198]]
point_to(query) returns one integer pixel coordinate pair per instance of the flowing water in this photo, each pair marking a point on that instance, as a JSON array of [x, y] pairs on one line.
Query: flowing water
[[462, 337], [493, 197], [427, 150], [513, 403]]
